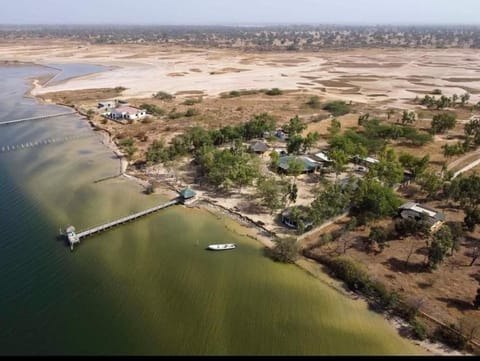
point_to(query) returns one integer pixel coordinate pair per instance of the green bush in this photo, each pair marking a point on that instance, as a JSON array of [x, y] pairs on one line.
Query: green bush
[[152, 109], [191, 112], [274, 91], [450, 337], [175, 115], [163, 95], [418, 329], [337, 108], [192, 101]]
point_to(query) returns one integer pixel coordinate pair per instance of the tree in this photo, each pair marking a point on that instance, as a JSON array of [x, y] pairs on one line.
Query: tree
[[431, 183], [292, 192], [309, 141], [339, 159], [414, 164], [464, 98], [472, 218], [390, 112], [457, 236], [454, 99], [378, 236], [443, 122], [408, 117], [274, 159], [271, 193], [294, 144], [295, 167], [439, 247], [295, 126], [335, 127], [388, 170], [328, 203], [286, 250], [373, 200]]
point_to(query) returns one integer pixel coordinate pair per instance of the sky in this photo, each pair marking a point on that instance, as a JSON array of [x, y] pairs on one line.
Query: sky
[[240, 12]]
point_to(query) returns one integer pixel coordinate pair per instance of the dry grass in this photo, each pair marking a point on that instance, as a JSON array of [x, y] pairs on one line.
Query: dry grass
[[446, 294]]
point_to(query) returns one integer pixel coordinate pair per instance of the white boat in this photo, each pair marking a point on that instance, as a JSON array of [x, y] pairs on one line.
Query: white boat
[[221, 247]]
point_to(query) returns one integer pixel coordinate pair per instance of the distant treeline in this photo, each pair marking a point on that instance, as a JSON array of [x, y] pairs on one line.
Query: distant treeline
[[291, 37]]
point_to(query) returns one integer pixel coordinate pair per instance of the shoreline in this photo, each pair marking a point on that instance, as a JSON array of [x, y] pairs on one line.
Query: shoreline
[[263, 236]]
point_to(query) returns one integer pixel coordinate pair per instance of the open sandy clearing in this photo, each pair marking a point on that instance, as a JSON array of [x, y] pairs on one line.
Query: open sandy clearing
[[357, 75]]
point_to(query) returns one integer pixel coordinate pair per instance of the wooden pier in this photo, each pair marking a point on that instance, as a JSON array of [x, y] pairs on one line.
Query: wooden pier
[[36, 118], [74, 238]]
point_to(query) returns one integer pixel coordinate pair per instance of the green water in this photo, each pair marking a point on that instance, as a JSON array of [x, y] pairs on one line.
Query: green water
[[148, 287]]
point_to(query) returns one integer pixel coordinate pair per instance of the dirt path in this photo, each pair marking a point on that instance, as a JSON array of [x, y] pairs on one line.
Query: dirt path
[[469, 166]]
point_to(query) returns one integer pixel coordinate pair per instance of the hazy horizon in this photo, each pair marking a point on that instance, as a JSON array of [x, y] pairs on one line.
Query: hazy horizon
[[245, 13]]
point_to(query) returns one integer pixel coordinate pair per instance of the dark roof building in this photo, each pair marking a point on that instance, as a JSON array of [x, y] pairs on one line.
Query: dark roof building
[[411, 210], [259, 147]]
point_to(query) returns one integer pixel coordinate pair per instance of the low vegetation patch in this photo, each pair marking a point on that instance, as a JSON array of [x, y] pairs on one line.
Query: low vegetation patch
[[337, 108]]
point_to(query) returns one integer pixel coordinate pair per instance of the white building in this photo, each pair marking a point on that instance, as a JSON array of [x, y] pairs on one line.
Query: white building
[[127, 112]]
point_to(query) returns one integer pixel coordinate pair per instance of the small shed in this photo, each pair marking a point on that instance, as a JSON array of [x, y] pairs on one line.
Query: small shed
[[187, 195]]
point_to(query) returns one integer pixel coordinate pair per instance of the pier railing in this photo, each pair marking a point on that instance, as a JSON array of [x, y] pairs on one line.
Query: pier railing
[[76, 238], [36, 118]]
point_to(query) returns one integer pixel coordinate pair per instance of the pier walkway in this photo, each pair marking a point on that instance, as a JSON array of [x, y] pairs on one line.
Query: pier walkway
[[49, 141], [37, 118], [74, 238]]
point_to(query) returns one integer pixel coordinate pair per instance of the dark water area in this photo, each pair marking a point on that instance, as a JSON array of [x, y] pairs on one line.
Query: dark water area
[[148, 287]]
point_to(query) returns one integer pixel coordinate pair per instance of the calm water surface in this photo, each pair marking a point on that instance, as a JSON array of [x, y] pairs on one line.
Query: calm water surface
[[148, 287]]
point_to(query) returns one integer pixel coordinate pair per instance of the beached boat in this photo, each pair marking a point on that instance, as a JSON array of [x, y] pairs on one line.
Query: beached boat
[[222, 247]]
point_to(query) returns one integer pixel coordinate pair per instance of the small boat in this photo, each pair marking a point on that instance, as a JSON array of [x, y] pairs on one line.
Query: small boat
[[221, 247]]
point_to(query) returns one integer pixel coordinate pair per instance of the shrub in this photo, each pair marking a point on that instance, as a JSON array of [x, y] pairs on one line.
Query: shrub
[[450, 337], [192, 101], [337, 108], [152, 109], [150, 189], [418, 329], [175, 115], [163, 95], [191, 112], [314, 102], [286, 250], [274, 91], [120, 89]]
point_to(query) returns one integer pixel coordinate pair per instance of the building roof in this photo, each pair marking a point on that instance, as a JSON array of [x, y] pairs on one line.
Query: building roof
[[420, 209], [323, 157], [187, 193], [308, 163], [127, 109], [259, 146]]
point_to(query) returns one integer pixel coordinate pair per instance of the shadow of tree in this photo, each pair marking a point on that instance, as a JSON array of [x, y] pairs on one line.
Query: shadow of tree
[[398, 265], [460, 305]]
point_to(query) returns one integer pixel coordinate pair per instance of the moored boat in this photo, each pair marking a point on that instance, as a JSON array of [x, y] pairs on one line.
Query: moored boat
[[221, 247]]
